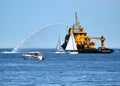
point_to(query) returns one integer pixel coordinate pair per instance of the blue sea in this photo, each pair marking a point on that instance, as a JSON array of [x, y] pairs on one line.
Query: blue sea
[[59, 69]]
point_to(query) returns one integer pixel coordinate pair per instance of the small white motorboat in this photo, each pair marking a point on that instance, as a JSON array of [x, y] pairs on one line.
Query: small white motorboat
[[34, 55]]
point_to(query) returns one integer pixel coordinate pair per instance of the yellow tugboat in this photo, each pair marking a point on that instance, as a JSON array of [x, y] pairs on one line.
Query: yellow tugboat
[[82, 41]]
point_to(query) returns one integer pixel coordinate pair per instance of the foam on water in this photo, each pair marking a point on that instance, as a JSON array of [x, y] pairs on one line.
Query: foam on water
[[7, 52]]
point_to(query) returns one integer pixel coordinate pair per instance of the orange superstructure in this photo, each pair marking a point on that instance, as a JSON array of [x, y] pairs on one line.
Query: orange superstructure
[[81, 39]]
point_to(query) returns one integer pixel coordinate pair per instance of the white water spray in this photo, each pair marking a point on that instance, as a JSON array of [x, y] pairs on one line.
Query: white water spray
[[31, 35]]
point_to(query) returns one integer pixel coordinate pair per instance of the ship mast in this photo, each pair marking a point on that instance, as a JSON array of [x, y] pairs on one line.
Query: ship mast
[[77, 24]]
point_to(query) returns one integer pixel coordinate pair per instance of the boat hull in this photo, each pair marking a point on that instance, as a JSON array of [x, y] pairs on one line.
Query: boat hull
[[30, 56], [71, 52], [96, 51]]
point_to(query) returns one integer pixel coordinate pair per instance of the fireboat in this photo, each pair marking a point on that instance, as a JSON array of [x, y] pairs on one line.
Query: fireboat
[[76, 40]]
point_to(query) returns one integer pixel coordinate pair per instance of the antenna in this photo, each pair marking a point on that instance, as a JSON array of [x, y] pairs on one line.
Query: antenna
[[76, 18]]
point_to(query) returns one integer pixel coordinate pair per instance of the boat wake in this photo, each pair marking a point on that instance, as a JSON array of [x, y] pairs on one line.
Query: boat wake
[[58, 52], [117, 51]]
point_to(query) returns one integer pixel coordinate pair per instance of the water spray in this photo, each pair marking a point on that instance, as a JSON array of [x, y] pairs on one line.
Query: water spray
[[32, 34]]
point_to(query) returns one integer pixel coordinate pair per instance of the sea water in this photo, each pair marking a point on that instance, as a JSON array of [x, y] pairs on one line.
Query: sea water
[[59, 69]]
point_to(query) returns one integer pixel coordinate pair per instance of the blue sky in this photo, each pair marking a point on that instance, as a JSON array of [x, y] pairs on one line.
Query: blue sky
[[19, 18]]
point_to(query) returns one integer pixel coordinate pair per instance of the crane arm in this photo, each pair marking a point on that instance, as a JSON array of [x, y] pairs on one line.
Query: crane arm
[[102, 40]]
